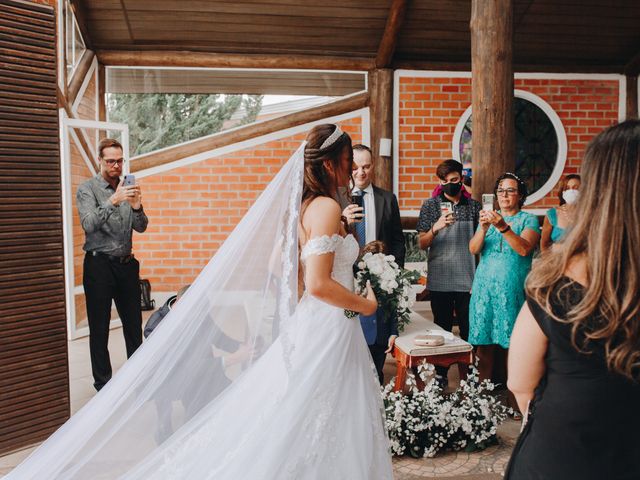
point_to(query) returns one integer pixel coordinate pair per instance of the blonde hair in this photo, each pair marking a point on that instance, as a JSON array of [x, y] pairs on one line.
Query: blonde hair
[[607, 235]]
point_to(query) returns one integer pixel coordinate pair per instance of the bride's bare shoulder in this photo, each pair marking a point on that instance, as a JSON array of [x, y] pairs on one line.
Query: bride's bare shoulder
[[324, 207], [321, 216]]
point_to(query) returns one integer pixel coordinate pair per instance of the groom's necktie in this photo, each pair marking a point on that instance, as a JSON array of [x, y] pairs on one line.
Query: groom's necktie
[[361, 226]]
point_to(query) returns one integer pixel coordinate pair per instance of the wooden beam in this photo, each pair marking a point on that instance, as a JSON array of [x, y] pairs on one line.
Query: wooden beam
[[223, 139], [155, 58], [492, 92], [79, 75], [633, 66], [381, 113], [63, 102], [465, 66], [81, 17], [391, 32], [632, 97]]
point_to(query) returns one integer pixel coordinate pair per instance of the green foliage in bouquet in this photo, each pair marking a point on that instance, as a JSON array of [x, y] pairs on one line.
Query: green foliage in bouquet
[[391, 284], [424, 422]]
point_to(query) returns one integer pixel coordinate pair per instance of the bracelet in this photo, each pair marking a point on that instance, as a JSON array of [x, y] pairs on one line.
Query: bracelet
[[506, 229], [433, 232]]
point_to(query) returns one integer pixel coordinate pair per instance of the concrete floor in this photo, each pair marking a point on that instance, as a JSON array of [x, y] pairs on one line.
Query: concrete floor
[[485, 465]]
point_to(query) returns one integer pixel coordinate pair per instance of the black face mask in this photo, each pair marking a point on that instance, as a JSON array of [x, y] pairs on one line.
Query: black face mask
[[452, 189]]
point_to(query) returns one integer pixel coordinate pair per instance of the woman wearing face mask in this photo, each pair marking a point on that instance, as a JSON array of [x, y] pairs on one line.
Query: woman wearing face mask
[[505, 241], [558, 219]]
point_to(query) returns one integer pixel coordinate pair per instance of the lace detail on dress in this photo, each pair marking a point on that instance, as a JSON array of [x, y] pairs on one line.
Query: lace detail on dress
[[320, 245], [324, 445], [346, 251], [289, 273]]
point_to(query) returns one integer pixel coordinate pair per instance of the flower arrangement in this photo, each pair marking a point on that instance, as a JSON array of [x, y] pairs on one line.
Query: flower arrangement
[[424, 422], [390, 283]]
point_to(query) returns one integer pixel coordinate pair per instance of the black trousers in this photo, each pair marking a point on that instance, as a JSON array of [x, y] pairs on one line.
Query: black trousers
[[105, 280], [378, 355], [443, 306]]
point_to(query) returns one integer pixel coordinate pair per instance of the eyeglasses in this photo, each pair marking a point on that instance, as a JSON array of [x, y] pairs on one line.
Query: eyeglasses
[[507, 191], [111, 162]]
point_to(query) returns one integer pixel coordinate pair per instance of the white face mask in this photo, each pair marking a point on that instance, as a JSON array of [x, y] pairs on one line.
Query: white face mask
[[571, 196]]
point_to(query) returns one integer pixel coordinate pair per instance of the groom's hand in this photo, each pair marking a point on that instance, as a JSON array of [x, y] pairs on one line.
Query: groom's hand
[[353, 213]]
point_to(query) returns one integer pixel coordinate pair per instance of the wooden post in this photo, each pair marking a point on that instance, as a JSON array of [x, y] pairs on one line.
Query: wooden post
[[632, 97], [381, 110], [492, 92]]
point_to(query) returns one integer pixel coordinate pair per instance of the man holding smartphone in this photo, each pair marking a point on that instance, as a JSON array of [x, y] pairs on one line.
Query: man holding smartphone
[[446, 224], [375, 215], [109, 212]]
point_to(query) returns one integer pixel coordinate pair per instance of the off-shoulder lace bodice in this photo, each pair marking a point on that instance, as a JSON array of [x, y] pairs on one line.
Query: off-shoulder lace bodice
[[346, 251]]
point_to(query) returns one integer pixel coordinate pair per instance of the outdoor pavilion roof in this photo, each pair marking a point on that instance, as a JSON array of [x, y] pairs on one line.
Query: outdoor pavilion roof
[[549, 35]]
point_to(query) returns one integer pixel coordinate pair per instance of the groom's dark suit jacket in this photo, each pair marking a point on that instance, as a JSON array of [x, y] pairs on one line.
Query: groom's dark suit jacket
[[388, 226], [389, 231]]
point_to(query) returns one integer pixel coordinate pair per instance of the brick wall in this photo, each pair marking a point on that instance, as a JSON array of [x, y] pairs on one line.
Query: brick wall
[[192, 209], [429, 109]]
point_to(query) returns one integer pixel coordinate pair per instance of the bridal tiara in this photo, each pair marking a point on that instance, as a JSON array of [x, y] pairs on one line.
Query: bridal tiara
[[331, 139]]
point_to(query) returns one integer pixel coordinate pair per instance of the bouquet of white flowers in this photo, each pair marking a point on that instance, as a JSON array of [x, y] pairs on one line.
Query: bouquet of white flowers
[[390, 283]]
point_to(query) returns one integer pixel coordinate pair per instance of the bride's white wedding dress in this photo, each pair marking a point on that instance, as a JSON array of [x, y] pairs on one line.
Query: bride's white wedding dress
[[319, 419], [308, 408]]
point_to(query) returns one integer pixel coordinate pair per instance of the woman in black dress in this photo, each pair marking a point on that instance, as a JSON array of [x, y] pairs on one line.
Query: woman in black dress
[[575, 349]]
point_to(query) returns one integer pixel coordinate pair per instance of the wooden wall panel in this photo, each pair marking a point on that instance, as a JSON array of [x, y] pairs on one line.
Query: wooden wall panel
[[34, 373]]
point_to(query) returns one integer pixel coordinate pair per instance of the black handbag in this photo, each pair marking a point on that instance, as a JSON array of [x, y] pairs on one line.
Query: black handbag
[[146, 303]]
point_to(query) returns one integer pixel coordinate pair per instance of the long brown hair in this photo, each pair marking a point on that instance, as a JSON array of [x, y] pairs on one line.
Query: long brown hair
[[607, 235], [318, 181]]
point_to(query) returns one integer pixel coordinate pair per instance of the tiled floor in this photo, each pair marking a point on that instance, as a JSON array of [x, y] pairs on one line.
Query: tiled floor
[[485, 465]]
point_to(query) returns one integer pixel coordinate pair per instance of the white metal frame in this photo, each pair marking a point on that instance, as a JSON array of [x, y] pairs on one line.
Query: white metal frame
[[66, 133], [561, 135]]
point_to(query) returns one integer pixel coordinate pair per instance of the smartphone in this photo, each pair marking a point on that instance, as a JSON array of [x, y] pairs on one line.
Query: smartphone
[[446, 207], [129, 180], [358, 200], [488, 200]]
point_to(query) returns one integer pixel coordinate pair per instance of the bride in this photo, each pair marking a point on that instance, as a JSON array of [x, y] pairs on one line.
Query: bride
[[305, 406]]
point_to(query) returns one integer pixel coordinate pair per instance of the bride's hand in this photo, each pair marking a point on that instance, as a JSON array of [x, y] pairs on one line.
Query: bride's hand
[[372, 301]]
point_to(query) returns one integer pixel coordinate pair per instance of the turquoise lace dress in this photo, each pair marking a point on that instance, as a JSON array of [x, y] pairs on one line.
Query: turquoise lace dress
[[556, 232], [497, 293]]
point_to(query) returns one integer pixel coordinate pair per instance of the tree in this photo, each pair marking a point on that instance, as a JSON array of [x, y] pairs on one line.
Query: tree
[[158, 120]]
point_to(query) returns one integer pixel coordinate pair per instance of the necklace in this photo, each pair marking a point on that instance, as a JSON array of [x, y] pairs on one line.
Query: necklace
[[568, 214]]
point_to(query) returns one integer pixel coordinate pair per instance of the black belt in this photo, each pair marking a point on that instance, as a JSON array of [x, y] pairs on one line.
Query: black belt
[[113, 258]]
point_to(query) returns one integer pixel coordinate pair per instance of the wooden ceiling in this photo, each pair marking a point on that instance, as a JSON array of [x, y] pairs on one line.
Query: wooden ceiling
[[550, 35]]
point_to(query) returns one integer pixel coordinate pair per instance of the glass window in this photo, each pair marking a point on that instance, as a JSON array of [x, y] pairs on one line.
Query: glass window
[[537, 145], [74, 43], [169, 106]]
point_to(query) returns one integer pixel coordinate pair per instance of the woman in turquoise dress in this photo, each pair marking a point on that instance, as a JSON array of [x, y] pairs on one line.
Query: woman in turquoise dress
[[557, 220], [505, 241]]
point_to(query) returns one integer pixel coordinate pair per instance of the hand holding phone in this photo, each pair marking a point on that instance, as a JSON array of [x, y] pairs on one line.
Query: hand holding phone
[[129, 180], [488, 201]]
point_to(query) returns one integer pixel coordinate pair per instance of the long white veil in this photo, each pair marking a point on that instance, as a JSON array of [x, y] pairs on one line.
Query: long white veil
[[239, 304]]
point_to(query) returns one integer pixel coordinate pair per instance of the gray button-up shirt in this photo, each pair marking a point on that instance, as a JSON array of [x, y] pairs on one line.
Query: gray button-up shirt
[[451, 265], [108, 229]]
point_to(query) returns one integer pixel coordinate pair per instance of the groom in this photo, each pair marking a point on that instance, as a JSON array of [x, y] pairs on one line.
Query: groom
[[377, 220]]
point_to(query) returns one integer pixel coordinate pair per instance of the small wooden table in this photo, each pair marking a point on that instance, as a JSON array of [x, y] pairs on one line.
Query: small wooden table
[[409, 355]]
